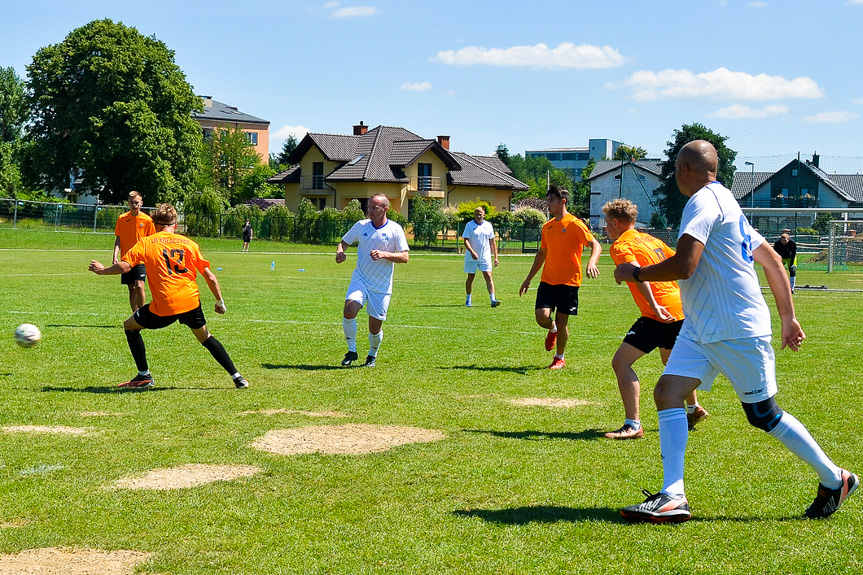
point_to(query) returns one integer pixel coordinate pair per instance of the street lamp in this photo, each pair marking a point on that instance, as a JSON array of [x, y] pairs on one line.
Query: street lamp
[[751, 185]]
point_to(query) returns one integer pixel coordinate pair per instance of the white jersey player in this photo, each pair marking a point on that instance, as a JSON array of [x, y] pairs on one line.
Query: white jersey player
[[380, 243], [479, 250]]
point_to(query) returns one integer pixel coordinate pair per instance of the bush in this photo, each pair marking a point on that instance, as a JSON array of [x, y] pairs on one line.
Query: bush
[[278, 223], [234, 219], [466, 209], [398, 218], [535, 203], [353, 212], [428, 220], [202, 210], [807, 232], [530, 217]]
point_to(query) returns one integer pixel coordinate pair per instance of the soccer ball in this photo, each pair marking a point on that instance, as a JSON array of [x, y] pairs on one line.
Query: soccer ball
[[27, 335]]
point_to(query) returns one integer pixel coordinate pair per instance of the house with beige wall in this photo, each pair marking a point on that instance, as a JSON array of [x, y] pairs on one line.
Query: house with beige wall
[[332, 169], [217, 115]]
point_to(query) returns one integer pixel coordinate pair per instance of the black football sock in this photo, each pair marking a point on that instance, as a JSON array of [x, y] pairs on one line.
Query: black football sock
[[218, 352], [136, 346]]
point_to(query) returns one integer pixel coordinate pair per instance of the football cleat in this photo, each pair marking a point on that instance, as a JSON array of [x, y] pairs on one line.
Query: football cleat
[[495, 303], [240, 382], [550, 340], [658, 508], [700, 414], [350, 357], [370, 361], [828, 500], [626, 432], [557, 363], [138, 382], [468, 304]]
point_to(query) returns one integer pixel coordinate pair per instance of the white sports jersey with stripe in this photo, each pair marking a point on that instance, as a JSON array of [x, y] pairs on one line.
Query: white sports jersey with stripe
[[479, 236], [722, 300], [376, 276]]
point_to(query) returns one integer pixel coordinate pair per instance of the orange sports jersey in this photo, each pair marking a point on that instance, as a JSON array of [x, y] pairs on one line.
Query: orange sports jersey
[[131, 229], [633, 246], [173, 262], [563, 241]]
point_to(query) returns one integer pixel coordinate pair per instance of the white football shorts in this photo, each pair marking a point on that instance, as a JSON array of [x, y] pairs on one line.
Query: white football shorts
[[748, 363], [471, 265], [376, 303]]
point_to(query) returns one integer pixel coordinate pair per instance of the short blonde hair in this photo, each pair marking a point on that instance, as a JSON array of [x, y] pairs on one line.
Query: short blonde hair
[[165, 215], [623, 210], [135, 194]]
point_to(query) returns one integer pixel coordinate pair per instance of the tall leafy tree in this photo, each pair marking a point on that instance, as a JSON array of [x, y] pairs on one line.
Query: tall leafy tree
[[671, 200], [111, 104], [13, 114], [502, 152], [227, 160], [287, 149], [629, 153], [580, 201]]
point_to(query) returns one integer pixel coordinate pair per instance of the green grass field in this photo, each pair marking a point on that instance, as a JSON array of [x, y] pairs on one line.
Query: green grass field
[[511, 489]]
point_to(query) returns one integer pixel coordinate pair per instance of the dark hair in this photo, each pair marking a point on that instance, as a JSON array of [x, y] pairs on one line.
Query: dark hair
[[557, 192]]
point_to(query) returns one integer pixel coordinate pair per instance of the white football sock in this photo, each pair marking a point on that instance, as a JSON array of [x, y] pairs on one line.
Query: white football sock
[[349, 326], [794, 435], [491, 296], [553, 327], [633, 422], [375, 340], [673, 435]]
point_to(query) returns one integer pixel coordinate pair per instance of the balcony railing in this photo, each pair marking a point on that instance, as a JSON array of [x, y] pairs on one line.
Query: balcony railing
[[779, 203], [312, 183], [430, 186]]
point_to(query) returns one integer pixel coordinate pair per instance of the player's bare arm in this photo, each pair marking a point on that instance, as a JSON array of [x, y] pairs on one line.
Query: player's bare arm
[[660, 311], [678, 267], [538, 261], [470, 249], [340, 252], [395, 257], [493, 245], [774, 271], [595, 251], [213, 284], [120, 267], [116, 250]]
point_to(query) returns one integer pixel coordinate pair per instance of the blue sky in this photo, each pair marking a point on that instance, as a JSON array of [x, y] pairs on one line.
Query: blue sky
[[776, 78]]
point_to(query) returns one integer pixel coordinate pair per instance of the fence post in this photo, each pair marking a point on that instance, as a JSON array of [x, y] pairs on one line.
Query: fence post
[[96, 209], [15, 216], [830, 248]]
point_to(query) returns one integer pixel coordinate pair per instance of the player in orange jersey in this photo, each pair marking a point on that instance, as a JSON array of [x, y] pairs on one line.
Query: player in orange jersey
[[563, 240], [173, 262], [661, 314], [131, 227]]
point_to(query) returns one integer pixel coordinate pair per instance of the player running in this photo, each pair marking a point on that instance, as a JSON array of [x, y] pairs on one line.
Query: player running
[[563, 239], [381, 243], [728, 331], [131, 227], [661, 315], [173, 262]]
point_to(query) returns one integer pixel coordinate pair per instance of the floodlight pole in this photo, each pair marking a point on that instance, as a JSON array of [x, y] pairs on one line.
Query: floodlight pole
[[751, 184]]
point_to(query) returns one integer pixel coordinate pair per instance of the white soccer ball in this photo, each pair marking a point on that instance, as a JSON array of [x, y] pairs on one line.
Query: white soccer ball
[[27, 335]]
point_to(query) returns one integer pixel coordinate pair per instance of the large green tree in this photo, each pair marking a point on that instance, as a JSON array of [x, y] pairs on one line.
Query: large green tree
[[112, 104], [13, 114], [287, 149], [629, 153], [671, 201], [227, 160], [535, 171]]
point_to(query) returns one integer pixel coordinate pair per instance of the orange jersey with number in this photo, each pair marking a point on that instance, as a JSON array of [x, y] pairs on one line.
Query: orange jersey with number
[[563, 241], [173, 262], [131, 229], [644, 249]]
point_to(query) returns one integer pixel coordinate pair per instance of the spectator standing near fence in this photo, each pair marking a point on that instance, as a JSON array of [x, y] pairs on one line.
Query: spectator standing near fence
[[247, 235], [131, 227]]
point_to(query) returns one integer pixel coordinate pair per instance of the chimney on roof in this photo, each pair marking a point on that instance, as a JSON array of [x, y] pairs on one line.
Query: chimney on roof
[[360, 129], [443, 141], [815, 159], [208, 101]]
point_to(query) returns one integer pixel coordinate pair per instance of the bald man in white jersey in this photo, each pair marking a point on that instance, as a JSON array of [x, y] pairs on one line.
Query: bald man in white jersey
[[380, 243], [727, 330]]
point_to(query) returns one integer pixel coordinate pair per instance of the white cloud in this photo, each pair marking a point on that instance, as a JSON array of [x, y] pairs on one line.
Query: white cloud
[[719, 84], [331, 4], [738, 111], [285, 132], [353, 11], [855, 1], [416, 86], [757, 4], [858, 101], [566, 55], [831, 117]]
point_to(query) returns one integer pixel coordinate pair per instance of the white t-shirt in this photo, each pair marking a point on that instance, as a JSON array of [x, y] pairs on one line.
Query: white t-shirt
[[722, 300], [376, 276], [479, 236]]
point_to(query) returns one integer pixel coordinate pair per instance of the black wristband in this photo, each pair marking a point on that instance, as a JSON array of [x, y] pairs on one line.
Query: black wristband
[[635, 273]]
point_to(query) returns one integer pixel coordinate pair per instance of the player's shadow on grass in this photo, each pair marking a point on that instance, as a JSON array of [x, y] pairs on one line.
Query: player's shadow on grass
[[523, 370], [301, 366], [587, 434], [110, 389], [542, 514]]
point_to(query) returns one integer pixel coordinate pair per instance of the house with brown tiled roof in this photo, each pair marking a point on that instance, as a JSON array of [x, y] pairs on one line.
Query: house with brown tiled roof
[[333, 169]]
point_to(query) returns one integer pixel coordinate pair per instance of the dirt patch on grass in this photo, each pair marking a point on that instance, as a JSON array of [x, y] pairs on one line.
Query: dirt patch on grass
[[56, 561], [48, 429], [306, 413], [352, 439], [14, 524], [550, 402], [189, 475]]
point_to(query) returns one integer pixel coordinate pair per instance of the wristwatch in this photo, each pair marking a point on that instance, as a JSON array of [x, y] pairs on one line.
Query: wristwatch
[[635, 273]]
